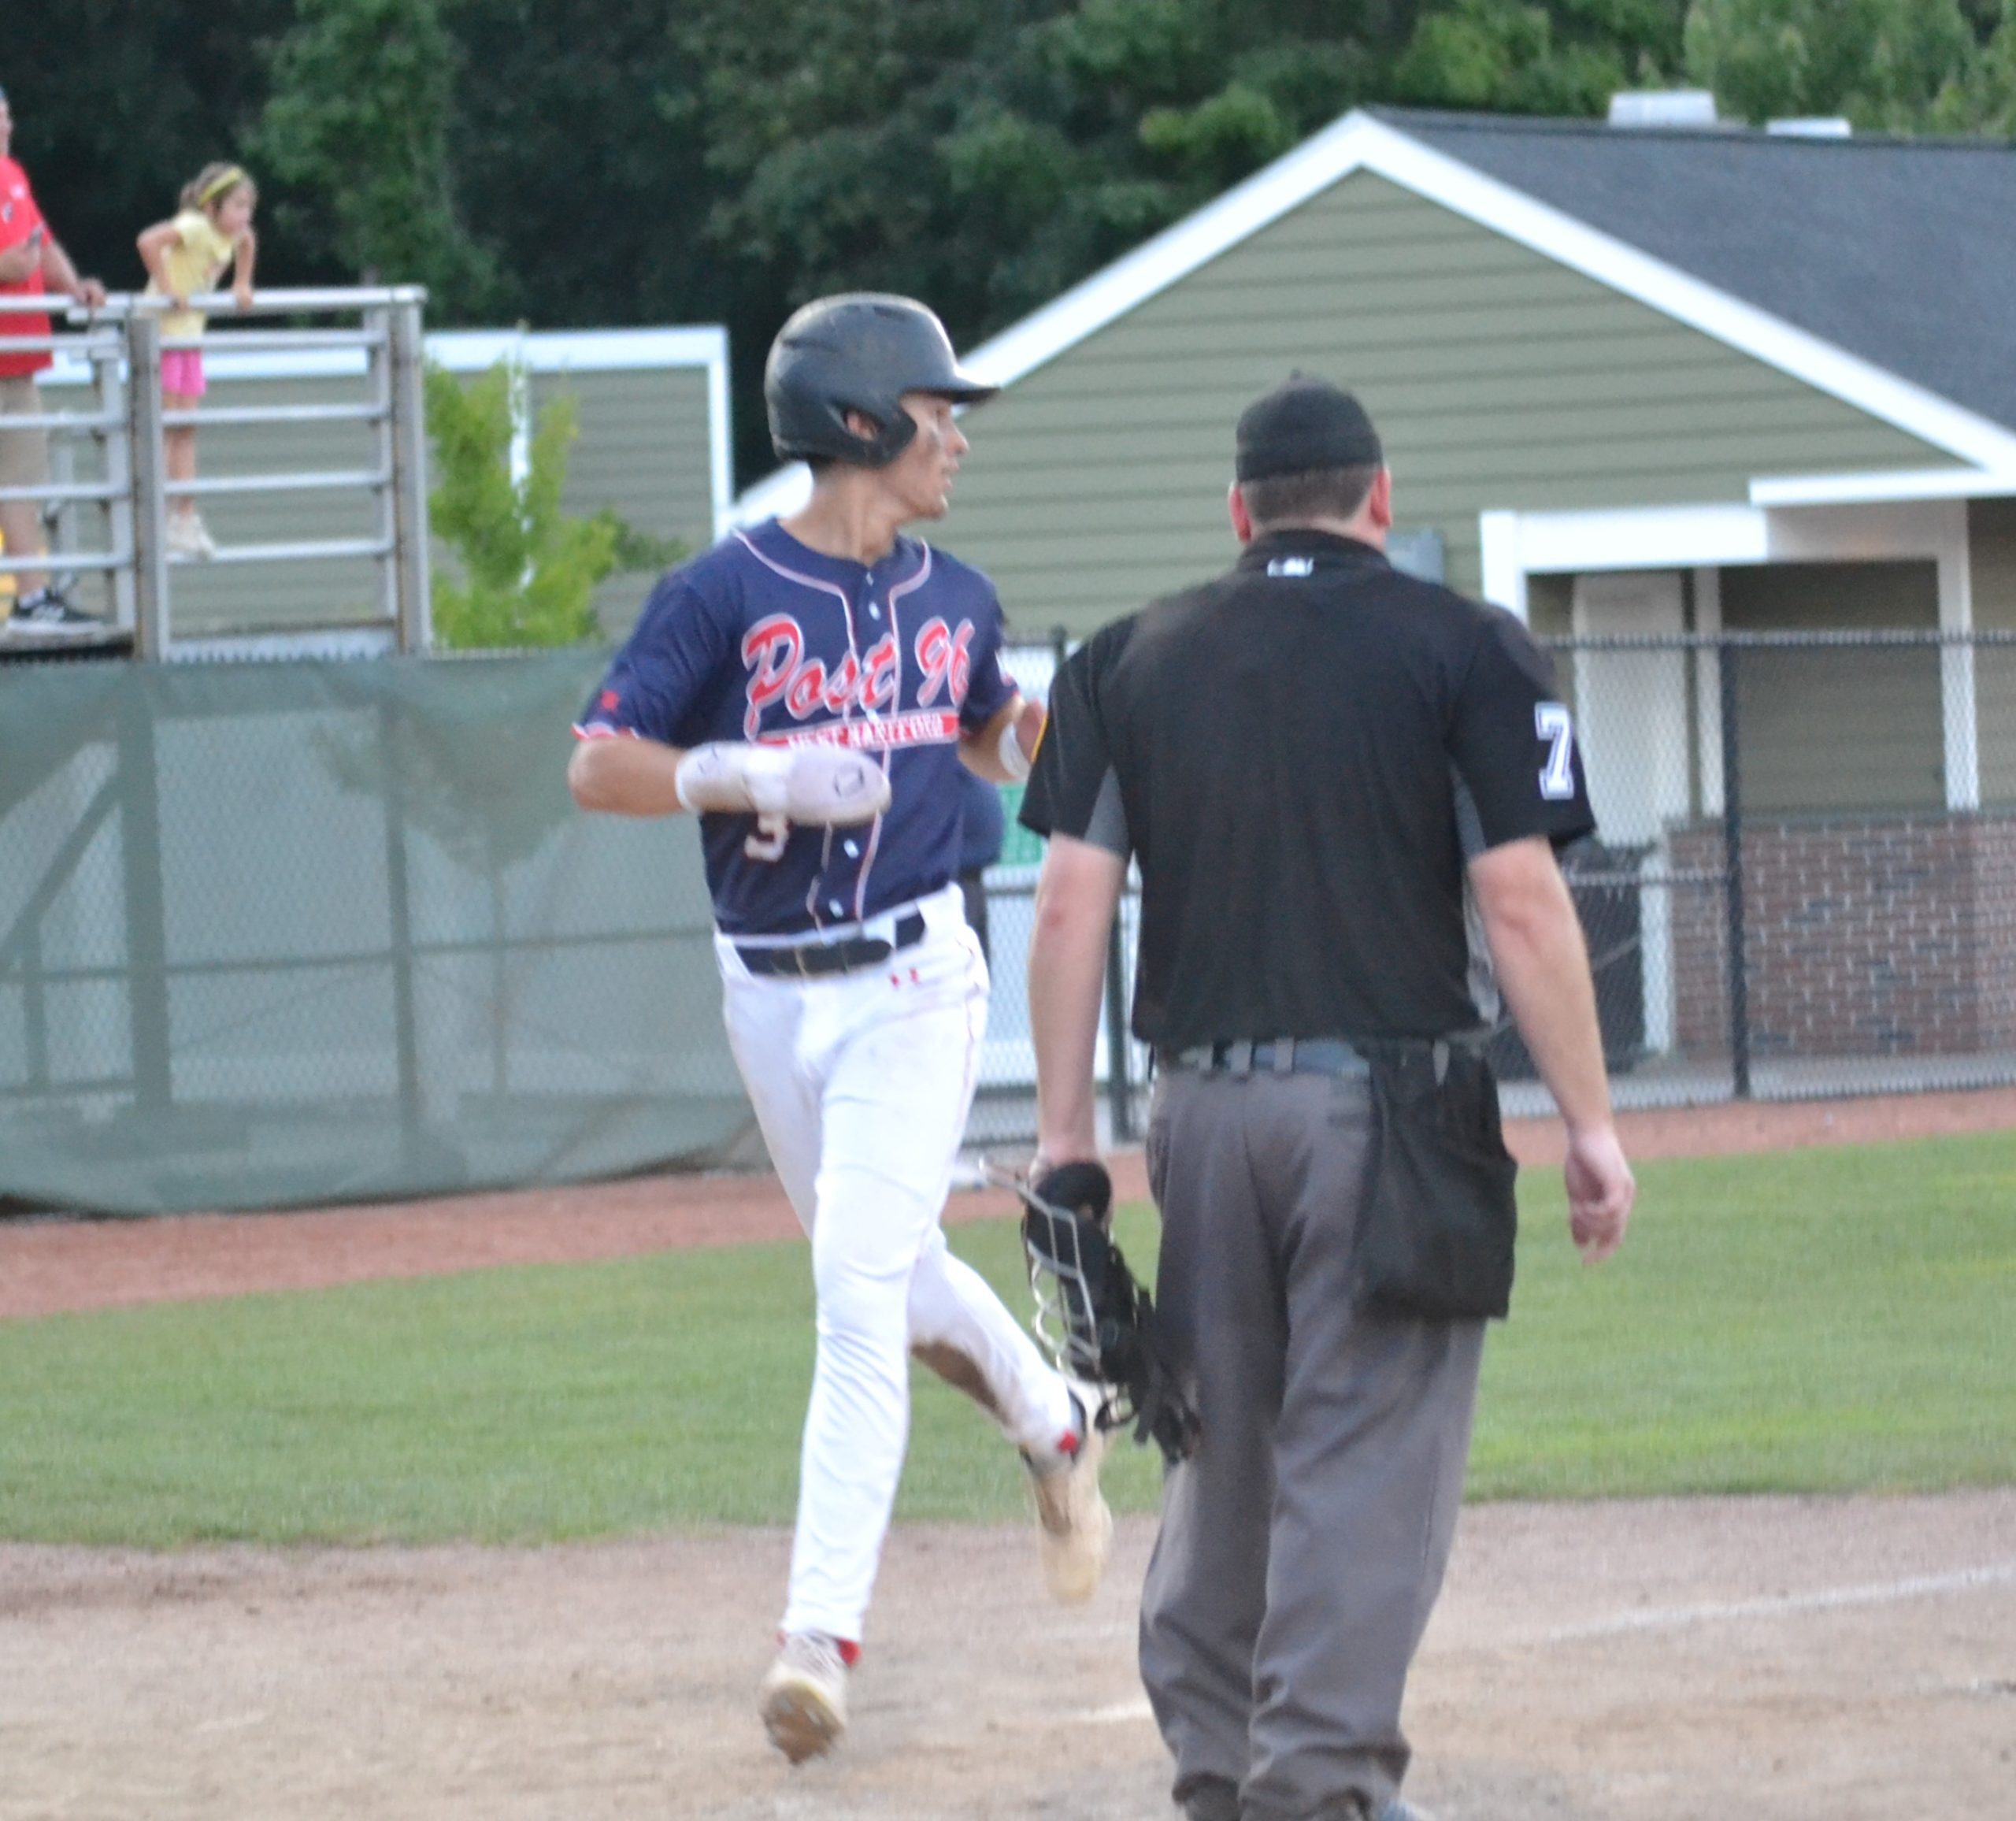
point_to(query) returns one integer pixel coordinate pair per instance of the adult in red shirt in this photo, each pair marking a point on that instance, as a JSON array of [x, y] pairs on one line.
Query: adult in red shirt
[[32, 261]]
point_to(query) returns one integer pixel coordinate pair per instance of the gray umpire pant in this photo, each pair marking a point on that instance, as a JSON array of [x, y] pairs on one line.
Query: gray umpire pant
[[1303, 1546]]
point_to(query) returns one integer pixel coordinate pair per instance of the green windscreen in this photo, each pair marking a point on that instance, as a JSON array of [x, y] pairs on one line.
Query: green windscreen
[[287, 934]]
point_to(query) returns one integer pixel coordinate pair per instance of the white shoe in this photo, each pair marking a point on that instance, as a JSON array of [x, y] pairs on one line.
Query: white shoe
[[188, 536], [803, 1696], [1076, 1527]]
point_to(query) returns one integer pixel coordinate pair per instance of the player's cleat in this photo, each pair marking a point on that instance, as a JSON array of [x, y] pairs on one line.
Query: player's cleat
[[803, 1696], [1076, 1527]]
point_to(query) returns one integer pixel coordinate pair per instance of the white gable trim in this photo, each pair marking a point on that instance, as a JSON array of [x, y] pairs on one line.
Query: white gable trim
[[1360, 142], [1742, 326], [1609, 538], [1879, 484]]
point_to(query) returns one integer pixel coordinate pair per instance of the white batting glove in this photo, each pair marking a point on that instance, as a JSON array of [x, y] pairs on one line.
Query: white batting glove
[[815, 786]]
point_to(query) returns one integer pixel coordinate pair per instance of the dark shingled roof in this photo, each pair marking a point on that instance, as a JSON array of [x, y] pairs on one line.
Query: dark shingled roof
[[1903, 252]]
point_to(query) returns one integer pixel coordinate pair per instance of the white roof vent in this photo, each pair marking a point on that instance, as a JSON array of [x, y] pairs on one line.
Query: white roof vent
[[1832, 128], [1662, 107]]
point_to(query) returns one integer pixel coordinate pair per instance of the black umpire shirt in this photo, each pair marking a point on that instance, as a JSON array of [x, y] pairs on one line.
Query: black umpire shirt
[[1301, 755]]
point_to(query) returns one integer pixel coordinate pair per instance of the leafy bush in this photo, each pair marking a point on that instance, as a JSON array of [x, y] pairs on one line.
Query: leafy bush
[[529, 570]]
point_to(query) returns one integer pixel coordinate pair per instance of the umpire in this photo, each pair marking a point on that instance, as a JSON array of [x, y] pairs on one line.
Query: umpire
[[1344, 788]]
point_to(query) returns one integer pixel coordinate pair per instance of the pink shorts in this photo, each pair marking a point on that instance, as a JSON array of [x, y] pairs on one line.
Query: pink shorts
[[182, 371]]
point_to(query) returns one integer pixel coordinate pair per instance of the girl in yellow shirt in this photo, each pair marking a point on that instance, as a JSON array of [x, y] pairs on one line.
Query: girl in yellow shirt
[[185, 255]]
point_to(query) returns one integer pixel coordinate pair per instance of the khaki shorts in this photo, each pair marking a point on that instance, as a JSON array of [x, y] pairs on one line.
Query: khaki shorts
[[24, 454]]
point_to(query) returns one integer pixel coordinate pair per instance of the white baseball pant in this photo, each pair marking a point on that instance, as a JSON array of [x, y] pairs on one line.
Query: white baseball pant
[[861, 1084]]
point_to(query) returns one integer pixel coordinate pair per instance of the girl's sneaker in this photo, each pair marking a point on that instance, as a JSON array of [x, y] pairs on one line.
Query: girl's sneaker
[[188, 536]]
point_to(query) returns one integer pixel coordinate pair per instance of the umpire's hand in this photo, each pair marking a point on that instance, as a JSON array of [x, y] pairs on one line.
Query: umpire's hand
[[1601, 1189]]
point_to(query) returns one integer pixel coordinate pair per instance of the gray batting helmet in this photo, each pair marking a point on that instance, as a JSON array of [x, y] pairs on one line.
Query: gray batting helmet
[[858, 352]]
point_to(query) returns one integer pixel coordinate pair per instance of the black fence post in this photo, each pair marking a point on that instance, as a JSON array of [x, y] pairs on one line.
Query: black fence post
[[1119, 1083], [1732, 869]]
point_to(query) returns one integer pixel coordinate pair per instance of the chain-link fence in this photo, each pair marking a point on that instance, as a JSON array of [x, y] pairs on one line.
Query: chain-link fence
[[1806, 877], [293, 933], [1803, 884], [298, 932]]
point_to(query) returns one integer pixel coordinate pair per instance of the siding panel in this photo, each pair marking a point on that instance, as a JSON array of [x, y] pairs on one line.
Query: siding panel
[[643, 449], [1498, 379], [1849, 729]]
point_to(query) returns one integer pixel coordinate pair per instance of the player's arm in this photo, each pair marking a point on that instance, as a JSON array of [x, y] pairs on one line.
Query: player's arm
[[988, 751], [625, 777], [1077, 897], [814, 786]]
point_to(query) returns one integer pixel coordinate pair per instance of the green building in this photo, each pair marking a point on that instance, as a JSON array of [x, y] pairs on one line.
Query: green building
[[1633, 382]]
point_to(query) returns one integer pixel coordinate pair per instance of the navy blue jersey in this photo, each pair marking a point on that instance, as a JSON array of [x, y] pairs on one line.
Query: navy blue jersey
[[762, 639]]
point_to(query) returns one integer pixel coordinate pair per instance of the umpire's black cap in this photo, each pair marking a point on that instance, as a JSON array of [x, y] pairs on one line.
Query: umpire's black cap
[[1304, 424], [860, 351]]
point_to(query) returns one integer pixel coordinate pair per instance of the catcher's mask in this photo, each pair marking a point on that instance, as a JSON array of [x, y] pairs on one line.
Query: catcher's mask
[[1098, 1321], [860, 352]]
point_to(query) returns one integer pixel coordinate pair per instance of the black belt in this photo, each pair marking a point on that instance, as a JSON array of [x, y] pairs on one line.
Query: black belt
[[1282, 1056], [815, 960]]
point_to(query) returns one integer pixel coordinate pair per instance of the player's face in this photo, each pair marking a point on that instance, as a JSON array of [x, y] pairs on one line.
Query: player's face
[[921, 476]]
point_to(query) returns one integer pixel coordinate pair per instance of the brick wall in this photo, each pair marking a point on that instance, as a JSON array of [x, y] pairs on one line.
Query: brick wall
[[1876, 935]]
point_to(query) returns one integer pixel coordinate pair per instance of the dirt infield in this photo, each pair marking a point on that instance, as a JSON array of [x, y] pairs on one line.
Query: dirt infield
[[1776, 1659], [1781, 1659], [47, 1266]]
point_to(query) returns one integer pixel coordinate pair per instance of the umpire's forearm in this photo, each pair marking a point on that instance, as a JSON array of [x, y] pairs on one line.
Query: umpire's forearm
[[1543, 967], [1075, 899]]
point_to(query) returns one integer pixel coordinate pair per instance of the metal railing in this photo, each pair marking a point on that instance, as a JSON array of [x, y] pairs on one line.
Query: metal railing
[[125, 423]]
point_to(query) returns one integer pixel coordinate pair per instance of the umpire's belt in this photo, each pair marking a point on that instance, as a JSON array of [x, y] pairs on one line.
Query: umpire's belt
[[815, 960], [1281, 1056]]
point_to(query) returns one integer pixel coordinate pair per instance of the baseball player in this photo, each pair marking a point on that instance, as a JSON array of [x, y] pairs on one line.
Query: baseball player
[[808, 688]]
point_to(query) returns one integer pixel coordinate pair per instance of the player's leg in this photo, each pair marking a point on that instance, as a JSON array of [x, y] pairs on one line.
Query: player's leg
[[965, 1333], [765, 1020], [895, 1089], [1206, 1593], [959, 1327], [802, 1695]]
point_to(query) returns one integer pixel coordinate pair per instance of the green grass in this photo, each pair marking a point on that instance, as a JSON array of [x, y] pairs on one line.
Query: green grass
[[1825, 1320]]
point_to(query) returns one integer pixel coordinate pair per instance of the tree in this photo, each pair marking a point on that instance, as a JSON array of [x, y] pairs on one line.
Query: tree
[[528, 570], [1893, 65], [117, 104], [1567, 58], [356, 134], [722, 161], [1984, 99]]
